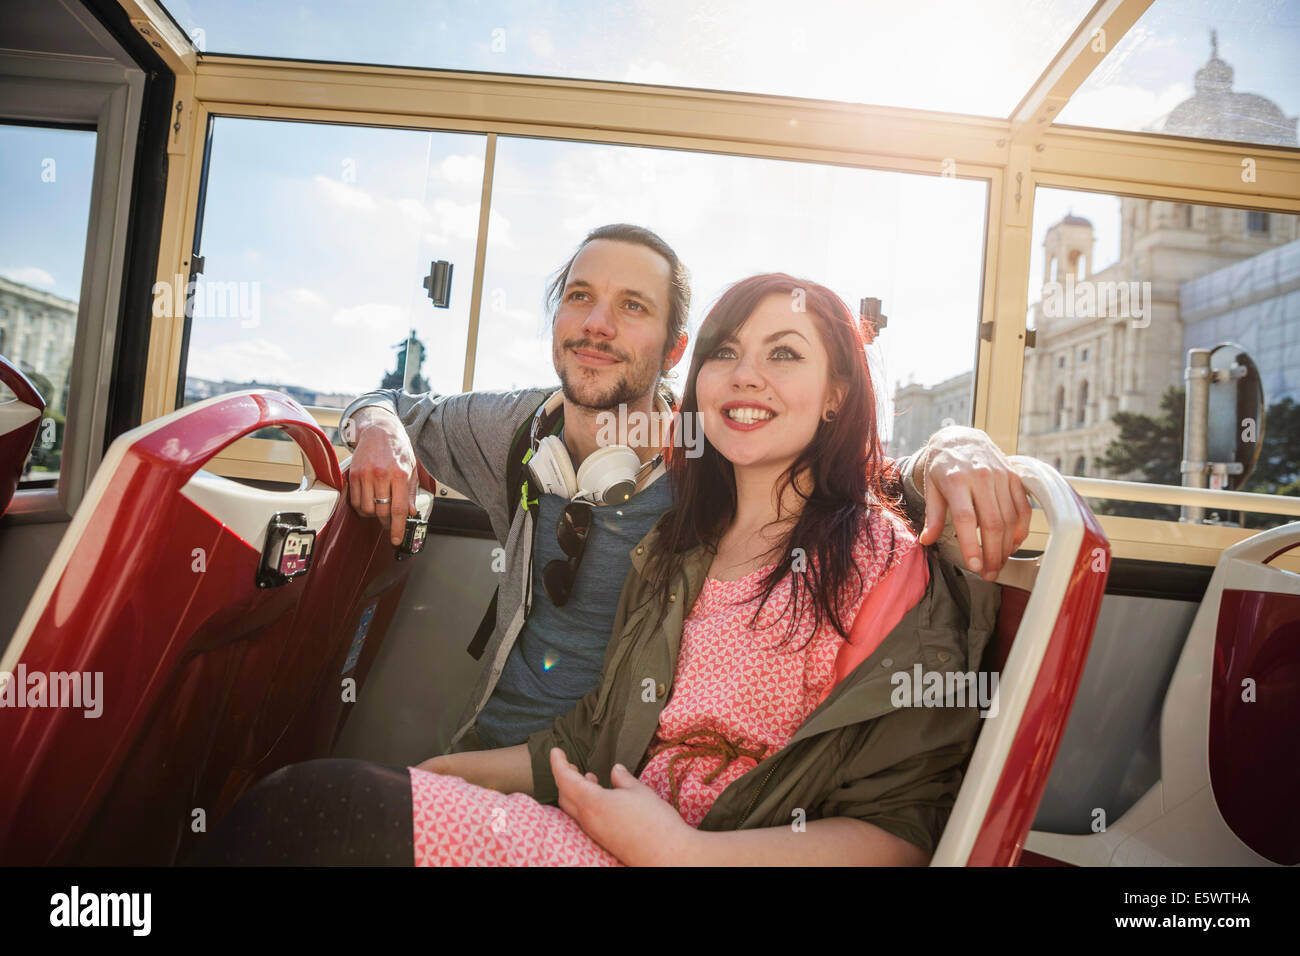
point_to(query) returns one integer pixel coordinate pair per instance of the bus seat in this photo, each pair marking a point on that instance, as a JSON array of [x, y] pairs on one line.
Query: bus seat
[[155, 594], [1011, 609], [354, 602], [20, 420], [1229, 775], [1049, 610]]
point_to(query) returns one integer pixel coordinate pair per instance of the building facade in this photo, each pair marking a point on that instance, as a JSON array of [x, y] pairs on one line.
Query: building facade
[[1256, 304], [1115, 339], [37, 330], [920, 410]]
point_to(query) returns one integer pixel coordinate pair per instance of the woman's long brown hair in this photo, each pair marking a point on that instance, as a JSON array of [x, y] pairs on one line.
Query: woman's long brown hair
[[844, 460]]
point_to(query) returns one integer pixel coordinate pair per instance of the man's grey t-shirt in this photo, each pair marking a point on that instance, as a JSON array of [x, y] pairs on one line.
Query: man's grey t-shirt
[[557, 657]]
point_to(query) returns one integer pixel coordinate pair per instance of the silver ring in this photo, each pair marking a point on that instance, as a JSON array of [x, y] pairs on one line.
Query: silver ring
[[382, 501]]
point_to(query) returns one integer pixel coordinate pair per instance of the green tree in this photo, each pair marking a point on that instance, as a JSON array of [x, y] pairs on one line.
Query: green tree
[[1151, 448], [1278, 470], [397, 376]]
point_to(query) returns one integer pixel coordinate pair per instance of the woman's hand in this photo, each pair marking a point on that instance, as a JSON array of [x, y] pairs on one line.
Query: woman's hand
[[631, 821]]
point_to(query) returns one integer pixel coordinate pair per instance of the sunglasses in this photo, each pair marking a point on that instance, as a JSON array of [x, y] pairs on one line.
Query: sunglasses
[[572, 530]]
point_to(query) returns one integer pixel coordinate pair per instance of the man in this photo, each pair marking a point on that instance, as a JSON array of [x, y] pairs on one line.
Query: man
[[619, 309]]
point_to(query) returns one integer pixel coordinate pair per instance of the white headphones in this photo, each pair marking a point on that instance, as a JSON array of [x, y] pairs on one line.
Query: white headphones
[[610, 474]]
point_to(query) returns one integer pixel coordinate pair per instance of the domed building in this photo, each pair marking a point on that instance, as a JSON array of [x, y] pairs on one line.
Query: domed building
[[1186, 276], [1218, 112], [1122, 345]]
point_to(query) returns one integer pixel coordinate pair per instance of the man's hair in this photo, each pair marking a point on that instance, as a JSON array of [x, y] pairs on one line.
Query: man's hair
[[679, 282]]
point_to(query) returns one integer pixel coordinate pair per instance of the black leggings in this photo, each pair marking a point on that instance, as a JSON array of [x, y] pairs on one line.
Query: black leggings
[[329, 812]]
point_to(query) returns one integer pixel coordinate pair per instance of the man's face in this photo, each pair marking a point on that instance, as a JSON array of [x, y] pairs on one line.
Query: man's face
[[611, 328]]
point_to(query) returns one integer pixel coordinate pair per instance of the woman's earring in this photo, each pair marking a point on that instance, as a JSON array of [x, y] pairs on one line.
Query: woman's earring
[[829, 416]]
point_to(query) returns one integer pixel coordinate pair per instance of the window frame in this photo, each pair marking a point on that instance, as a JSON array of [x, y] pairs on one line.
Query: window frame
[[38, 92], [1014, 156]]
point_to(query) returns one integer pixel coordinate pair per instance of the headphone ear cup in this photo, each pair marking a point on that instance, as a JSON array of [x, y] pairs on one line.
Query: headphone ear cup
[[610, 474], [552, 470]]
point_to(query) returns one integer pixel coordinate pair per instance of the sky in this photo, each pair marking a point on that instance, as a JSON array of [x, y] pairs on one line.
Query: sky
[[45, 178], [327, 231], [286, 203], [852, 50]]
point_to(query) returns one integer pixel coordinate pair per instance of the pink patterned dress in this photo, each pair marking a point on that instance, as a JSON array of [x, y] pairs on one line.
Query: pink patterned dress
[[739, 695]]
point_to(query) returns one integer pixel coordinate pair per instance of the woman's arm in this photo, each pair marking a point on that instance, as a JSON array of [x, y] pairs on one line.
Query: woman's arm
[[632, 822], [507, 769], [839, 841]]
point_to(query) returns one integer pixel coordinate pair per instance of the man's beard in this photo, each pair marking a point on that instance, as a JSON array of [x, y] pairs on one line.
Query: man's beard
[[621, 392]]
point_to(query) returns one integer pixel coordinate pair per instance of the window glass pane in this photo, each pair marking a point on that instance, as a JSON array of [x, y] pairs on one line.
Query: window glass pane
[[1214, 69], [1121, 289], [966, 58], [45, 185], [316, 242], [863, 233]]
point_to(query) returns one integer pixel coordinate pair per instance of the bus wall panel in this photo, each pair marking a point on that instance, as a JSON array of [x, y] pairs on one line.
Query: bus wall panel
[[422, 676]]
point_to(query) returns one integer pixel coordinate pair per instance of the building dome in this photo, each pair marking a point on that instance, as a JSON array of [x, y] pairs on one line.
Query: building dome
[[1216, 112], [1073, 220], [1214, 77]]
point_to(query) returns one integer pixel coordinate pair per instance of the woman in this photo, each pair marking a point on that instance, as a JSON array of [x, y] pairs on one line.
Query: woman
[[748, 680]]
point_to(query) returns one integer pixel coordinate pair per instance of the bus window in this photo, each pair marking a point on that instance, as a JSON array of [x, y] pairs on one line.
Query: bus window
[[314, 242], [864, 233], [756, 46], [1142, 83], [45, 184], [1156, 279]]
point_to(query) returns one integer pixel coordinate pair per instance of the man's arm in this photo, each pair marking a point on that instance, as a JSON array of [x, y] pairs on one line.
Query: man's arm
[[462, 440], [961, 471]]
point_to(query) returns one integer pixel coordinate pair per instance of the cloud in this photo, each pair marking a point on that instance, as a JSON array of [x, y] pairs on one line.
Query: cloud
[[652, 71], [500, 231], [540, 43], [303, 297], [464, 169], [29, 275], [257, 359], [453, 221], [1123, 107], [378, 317], [414, 210], [344, 194]]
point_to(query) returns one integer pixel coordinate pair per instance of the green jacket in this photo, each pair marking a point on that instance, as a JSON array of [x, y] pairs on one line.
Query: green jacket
[[857, 755]]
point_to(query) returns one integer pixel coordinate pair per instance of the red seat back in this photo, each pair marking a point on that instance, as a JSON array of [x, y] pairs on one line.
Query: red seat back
[[19, 422], [347, 613], [1038, 673], [156, 598]]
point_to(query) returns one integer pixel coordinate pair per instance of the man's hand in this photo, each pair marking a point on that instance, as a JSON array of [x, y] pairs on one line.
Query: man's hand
[[631, 821], [961, 471], [383, 466]]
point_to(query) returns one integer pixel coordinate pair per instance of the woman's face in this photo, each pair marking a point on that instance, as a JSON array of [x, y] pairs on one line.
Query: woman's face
[[763, 392]]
